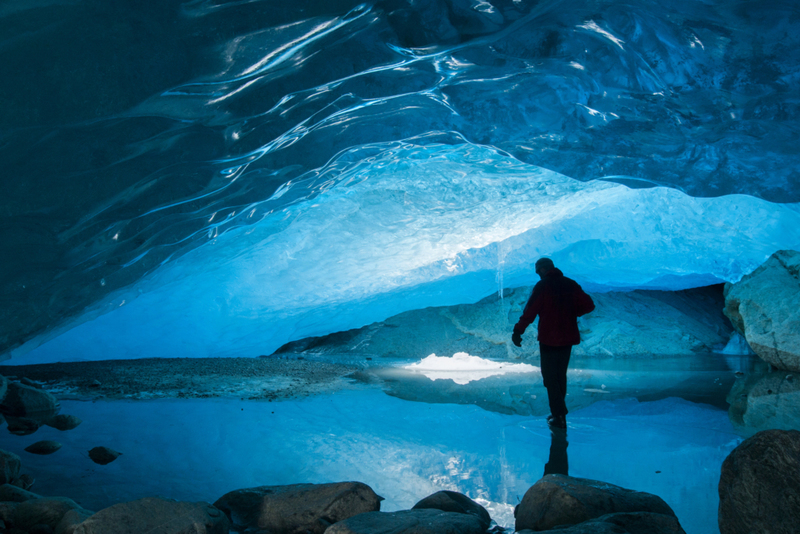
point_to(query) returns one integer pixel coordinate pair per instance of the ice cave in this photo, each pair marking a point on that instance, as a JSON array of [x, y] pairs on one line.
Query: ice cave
[[258, 243]]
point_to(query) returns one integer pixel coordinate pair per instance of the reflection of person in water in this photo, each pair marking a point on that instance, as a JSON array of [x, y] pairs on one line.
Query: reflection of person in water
[[557, 464], [558, 302]]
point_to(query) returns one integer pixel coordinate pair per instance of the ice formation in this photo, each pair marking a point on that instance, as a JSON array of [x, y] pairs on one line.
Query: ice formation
[[247, 176]]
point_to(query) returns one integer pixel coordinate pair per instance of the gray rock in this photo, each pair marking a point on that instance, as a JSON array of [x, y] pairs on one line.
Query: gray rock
[[42, 511], [451, 501], [63, 422], [9, 466], [763, 307], [427, 521], [71, 520], [29, 402], [11, 493], [562, 500], [156, 515], [103, 455], [297, 508], [759, 486], [47, 446]]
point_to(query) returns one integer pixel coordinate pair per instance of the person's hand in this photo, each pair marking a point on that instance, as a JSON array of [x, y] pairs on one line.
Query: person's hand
[[516, 339]]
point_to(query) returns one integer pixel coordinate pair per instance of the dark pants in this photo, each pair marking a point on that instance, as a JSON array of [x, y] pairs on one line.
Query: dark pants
[[555, 361]]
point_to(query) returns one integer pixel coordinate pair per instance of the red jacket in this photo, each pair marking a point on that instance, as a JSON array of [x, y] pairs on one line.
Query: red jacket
[[558, 301]]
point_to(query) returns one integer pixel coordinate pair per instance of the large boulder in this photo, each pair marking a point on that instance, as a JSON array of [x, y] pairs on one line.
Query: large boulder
[[452, 501], [425, 521], [763, 307], [71, 520], [29, 402], [759, 487], [154, 514], [563, 500], [9, 466], [43, 511], [297, 508], [623, 523]]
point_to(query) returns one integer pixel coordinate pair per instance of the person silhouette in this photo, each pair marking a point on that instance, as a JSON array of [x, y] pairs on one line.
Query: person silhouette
[[557, 463], [558, 301]]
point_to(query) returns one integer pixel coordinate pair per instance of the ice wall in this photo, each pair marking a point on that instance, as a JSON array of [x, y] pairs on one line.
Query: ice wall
[[404, 226], [136, 134]]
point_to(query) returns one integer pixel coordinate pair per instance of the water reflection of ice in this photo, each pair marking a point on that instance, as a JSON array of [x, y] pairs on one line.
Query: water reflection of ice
[[463, 368], [199, 449]]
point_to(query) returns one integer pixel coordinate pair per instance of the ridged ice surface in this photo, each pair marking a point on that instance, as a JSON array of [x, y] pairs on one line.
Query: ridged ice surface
[[245, 173]]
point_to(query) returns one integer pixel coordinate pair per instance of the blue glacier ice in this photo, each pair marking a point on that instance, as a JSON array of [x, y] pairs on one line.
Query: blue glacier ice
[[409, 226]]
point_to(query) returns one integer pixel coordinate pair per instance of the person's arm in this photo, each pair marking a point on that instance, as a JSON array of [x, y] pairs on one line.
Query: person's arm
[[532, 309], [583, 303]]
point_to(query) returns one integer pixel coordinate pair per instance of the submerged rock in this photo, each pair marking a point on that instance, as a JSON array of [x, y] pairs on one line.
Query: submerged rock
[[427, 521], [71, 520], [22, 426], [563, 500], [452, 501], [103, 455], [42, 511], [759, 487], [63, 422], [154, 514], [297, 508], [10, 465], [763, 307], [43, 447]]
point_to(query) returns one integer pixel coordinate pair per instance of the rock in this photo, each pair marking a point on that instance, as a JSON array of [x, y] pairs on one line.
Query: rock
[[427, 521], [43, 447], [63, 422], [9, 493], [42, 511], [562, 500], [154, 514], [641, 523], [9, 466], [451, 501], [40, 529], [22, 426], [7, 511], [759, 487], [297, 508], [71, 520], [23, 481], [103, 455], [763, 307], [29, 402], [3, 387]]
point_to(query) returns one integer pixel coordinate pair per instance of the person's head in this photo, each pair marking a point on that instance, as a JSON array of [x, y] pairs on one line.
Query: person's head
[[544, 266]]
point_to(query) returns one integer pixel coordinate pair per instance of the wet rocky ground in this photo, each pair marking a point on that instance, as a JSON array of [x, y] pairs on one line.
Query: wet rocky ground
[[246, 378]]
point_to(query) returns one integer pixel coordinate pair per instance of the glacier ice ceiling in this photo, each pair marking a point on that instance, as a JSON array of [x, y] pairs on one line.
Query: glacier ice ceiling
[[209, 178]]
